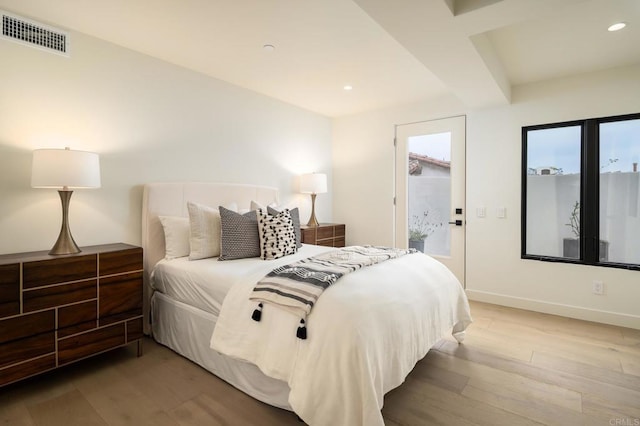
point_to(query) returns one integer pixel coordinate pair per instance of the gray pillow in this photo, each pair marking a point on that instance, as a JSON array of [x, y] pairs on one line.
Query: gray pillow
[[295, 216], [239, 235]]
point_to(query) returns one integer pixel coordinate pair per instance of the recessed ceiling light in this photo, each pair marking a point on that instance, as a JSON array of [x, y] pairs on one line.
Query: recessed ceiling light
[[348, 87], [617, 26], [269, 47]]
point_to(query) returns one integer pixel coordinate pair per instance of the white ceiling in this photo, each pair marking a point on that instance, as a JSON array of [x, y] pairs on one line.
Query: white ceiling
[[391, 52]]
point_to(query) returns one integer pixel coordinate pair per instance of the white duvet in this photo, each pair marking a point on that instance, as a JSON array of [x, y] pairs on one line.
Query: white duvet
[[365, 335]]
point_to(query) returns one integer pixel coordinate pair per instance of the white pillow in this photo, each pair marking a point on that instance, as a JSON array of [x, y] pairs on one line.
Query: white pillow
[[176, 236], [204, 236], [256, 205]]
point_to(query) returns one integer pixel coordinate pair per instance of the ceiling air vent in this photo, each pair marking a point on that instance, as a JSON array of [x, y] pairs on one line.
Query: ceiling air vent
[[34, 34]]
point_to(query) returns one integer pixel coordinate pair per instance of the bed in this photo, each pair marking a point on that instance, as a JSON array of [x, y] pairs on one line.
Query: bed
[[356, 351]]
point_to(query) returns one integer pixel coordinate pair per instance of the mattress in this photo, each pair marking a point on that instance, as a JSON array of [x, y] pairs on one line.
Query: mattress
[[204, 283]]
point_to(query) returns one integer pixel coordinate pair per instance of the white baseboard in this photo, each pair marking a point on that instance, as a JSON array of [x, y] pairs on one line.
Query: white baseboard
[[605, 317]]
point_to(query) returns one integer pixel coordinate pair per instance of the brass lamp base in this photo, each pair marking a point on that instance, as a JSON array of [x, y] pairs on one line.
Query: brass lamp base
[[65, 243], [313, 222]]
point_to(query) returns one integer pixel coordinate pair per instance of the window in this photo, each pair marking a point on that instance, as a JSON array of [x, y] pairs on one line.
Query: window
[[581, 192]]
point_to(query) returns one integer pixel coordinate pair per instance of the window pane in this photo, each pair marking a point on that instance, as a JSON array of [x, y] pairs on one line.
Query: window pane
[[620, 192], [553, 192], [430, 193]]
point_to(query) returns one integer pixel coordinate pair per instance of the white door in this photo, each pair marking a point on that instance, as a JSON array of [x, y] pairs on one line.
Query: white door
[[430, 190]]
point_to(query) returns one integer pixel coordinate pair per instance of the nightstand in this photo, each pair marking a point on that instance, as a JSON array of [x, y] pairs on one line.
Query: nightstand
[[55, 310], [325, 234]]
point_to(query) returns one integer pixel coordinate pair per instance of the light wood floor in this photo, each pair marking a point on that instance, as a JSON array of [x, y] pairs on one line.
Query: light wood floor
[[514, 368]]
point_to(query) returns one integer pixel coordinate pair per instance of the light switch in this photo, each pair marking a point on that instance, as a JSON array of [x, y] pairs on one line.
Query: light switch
[[481, 212], [501, 212]]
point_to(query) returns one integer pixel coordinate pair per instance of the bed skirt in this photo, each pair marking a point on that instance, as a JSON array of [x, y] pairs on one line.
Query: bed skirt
[[187, 331]]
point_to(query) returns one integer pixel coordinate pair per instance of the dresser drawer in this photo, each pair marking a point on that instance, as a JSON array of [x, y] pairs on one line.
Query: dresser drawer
[[27, 325], [324, 232], [134, 329], [61, 270], [9, 290], [24, 349], [120, 261], [57, 295], [92, 342], [308, 235], [74, 319], [26, 369], [120, 294]]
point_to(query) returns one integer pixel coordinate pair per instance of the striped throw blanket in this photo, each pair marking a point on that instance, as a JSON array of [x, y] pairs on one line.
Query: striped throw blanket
[[296, 287]]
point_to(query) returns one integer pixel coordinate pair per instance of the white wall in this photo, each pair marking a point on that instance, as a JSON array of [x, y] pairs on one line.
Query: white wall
[[363, 158], [363, 190], [149, 121]]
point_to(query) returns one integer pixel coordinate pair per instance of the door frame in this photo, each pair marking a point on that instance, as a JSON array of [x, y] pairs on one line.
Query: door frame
[[464, 184]]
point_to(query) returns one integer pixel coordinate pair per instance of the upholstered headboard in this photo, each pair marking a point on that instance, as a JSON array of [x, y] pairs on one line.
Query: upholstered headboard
[[170, 199]]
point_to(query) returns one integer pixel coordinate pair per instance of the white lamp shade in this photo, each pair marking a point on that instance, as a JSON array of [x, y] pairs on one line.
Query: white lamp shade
[[60, 168], [313, 183]]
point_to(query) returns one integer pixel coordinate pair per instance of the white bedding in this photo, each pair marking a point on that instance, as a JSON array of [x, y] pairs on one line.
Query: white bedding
[[365, 335], [204, 283]]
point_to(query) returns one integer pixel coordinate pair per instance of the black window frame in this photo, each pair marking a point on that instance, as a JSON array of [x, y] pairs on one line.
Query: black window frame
[[589, 192]]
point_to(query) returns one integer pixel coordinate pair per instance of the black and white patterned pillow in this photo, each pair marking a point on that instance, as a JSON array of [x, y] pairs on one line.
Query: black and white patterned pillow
[[295, 216], [277, 236], [239, 236]]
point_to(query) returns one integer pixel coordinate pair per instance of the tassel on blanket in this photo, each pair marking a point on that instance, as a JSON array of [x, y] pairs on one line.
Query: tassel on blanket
[[302, 330], [257, 314]]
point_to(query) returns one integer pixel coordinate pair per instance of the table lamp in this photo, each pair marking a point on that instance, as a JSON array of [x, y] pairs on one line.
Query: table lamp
[[313, 183], [67, 170]]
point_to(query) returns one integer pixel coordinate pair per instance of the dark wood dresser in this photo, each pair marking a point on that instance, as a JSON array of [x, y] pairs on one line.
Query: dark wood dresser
[[325, 234], [55, 310]]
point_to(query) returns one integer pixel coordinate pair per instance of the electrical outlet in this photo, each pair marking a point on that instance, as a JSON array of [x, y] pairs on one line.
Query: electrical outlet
[[598, 287]]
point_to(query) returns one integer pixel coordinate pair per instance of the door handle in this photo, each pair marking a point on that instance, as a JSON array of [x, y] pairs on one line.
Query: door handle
[[456, 222]]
